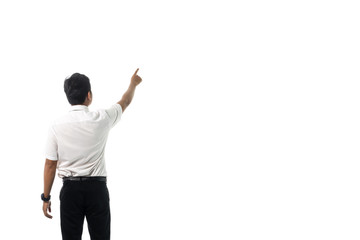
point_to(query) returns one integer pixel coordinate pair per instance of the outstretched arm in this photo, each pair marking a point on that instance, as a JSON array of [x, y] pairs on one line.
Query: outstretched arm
[[49, 175], [129, 94]]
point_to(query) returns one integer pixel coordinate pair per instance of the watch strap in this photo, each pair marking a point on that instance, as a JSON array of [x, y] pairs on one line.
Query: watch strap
[[44, 198]]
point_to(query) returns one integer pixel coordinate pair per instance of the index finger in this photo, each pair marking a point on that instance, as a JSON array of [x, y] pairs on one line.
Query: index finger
[[48, 215], [136, 71]]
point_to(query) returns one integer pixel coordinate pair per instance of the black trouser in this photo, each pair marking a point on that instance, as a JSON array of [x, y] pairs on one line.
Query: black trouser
[[85, 198]]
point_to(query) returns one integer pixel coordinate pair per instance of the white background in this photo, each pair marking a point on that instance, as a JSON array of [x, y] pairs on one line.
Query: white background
[[246, 125]]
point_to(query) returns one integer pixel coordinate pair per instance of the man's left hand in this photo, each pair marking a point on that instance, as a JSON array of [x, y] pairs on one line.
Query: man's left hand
[[46, 208]]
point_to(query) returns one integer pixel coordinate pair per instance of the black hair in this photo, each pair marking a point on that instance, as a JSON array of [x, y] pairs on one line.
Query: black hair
[[76, 88]]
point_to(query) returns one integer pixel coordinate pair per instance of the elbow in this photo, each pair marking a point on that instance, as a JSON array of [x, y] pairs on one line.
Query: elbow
[[50, 165], [124, 103]]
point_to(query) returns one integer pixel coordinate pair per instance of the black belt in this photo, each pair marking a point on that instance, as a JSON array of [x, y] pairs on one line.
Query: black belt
[[100, 179]]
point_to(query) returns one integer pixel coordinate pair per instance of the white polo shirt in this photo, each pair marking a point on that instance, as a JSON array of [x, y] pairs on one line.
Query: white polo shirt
[[78, 139]]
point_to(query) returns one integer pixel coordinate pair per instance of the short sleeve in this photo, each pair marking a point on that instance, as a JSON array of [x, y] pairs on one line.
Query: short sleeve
[[114, 113], [51, 147]]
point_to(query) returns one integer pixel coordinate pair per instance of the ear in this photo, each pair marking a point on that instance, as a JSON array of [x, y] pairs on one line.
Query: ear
[[89, 95]]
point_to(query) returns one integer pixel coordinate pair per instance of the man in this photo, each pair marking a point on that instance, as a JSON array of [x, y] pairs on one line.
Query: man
[[75, 147]]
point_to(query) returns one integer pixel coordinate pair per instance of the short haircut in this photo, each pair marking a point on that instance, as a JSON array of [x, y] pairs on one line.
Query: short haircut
[[76, 88]]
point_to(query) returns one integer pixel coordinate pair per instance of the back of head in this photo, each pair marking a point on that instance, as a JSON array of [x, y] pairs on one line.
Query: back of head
[[76, 88]]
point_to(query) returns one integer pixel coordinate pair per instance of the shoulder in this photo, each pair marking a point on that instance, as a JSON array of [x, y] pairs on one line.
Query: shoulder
[[113, 114], [114, 108]]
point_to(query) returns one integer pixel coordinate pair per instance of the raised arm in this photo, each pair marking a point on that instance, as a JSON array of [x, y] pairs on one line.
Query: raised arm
[[129, 94]]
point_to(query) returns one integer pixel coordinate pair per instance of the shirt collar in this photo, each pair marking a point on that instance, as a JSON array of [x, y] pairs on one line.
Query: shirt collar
[[79, 108]]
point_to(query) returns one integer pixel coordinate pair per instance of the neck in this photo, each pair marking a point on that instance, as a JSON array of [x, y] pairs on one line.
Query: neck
[[86, 105]]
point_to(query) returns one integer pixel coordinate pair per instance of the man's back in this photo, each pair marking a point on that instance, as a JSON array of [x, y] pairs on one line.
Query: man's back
[[79, 140]]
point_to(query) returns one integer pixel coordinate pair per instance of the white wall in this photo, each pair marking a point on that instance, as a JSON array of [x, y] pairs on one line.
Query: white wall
[[246, 125]]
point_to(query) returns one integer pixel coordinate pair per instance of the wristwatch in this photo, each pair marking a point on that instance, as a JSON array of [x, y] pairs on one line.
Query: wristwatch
[[44, 198]]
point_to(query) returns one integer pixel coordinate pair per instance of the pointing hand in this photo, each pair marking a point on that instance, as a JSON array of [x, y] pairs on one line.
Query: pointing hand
[[135, 78]]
